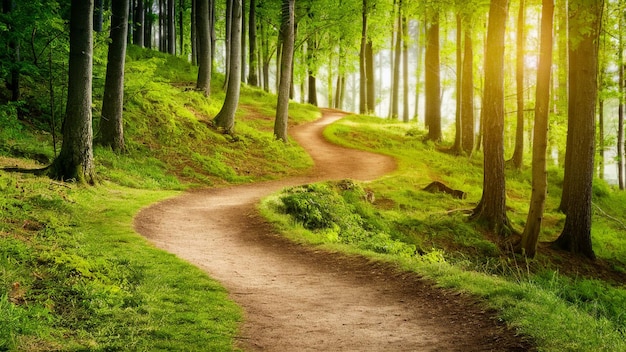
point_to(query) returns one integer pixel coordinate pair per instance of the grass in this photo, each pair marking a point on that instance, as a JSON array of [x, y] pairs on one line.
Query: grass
[[74, 274], [564, 303]]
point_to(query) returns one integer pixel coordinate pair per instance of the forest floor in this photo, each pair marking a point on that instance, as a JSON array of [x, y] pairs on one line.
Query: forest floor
[[298, 298]]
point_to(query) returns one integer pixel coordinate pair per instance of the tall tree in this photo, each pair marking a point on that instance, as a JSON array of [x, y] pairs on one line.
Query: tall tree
[[518, 152], [13, 82], [584, 30], [287, 38], [397, 57], [362, 62], [530, 235], [432, 78], [111, 123], [138, 23], [226, 117], [467, 92], [75, 161], [203, 32], [253, 78], [171, 26], [458, 136], [492, 206], [405, 67], [622, 102]]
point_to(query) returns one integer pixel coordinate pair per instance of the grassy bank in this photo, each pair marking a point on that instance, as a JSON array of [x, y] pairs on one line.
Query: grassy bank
[[564, 303], [75, 276]]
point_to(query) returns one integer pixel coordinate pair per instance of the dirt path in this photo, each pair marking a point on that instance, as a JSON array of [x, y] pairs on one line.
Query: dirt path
[[299, 299]]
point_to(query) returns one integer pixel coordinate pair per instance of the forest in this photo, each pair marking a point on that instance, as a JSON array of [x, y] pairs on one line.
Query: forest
[[504, 120]]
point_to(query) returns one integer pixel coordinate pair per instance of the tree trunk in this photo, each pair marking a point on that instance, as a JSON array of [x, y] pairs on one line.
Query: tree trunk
[[458, 146], [362, 61], [75, 161], [227, 40], [194, 33], [171, 27], [138, 23], [369, 68], [147, 31], [287, 36], [467, 94], [112, 123], [253, 79], [418, 70], [620, 117], [244, 28], [405, 69], [98, 16], [518, 152], [181, 31], [226, 117], [203, 32], [530, 235], [583, 87], [397, 56], [432, 80], [492, 206]]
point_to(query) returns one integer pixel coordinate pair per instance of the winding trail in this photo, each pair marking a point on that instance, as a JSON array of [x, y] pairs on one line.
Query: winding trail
[[297, 298]]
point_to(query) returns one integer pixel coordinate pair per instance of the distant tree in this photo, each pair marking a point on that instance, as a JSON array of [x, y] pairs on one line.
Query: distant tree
[[138, 23], [492, 206], [530, 236], [111, 122], [13, 82], [287, 38], [98, 15], [226, 117], [75, 161], [518, 152], [458, 136], [362, 72], [585, 19], [171, 26], [203, 32], [432, 78], [397, 57], [467, 93], [253, 78]]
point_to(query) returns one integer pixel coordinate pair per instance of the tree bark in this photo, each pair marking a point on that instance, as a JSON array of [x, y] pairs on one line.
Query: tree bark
[[585, 21], [225, 119], [397, 56], [362, 61], [287, 35], [138, 23], [530, 236], [405, 68], [518, 152], [75, 161], [147, 31], [112, 123], [203, 32], [369, 68], [171, 27], [467, 94], [492, 206], [253, 78], [244, 28], [432, 80], [458, 136]]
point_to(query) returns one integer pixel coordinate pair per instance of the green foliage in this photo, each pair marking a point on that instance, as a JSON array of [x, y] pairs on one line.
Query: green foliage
[[337, 211]]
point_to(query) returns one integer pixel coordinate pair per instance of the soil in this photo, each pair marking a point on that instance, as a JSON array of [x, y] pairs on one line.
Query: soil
[[299, 298]]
